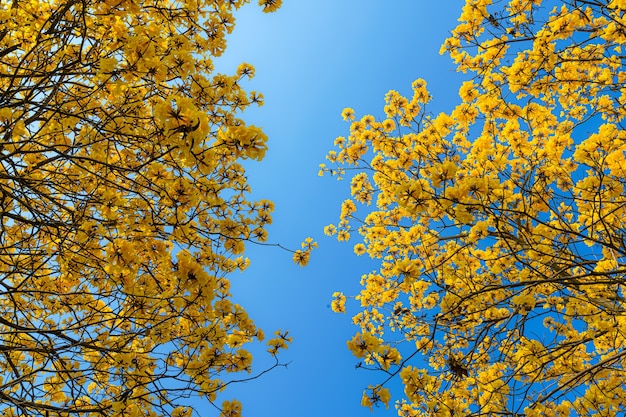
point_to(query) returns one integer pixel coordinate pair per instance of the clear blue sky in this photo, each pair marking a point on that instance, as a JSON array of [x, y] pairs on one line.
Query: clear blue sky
[[312, 59]]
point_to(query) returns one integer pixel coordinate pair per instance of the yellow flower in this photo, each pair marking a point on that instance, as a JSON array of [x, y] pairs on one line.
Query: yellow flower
[[368, 120], [376, 395], [308, 244], [270, 6], [322, 170], [301, 258], [347, 114], [231, 409], [468, 91], [245, 70], [359, 249], [338, 305], [281, 341], [107, 65], [388, 125], [363, 344]]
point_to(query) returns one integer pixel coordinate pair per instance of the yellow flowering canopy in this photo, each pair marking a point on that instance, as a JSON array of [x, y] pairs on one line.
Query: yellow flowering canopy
[[500, 226], [123, 207]]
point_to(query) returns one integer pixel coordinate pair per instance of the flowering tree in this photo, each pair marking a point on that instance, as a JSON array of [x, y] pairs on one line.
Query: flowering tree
[[123, 207], [500, 226]]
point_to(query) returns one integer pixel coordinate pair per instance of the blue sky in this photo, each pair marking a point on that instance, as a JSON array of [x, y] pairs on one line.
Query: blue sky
[[312, 59]]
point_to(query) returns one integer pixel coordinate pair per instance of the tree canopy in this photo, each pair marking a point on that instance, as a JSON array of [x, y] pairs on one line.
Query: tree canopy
[[124, 206], [499, 226]]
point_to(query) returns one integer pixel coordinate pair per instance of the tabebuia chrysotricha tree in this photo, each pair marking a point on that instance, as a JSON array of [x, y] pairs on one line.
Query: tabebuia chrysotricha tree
[[499, 226], [123, 208]]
